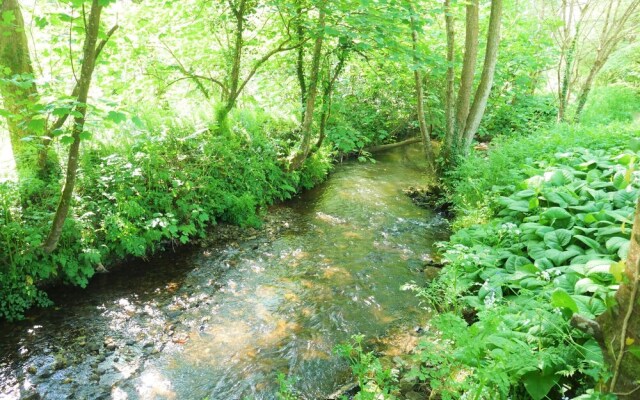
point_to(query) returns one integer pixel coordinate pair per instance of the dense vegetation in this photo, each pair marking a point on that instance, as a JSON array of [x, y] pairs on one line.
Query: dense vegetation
[[133, 127]]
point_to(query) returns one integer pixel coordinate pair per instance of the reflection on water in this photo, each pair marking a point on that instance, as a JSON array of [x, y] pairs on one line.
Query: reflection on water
[[222, 323]]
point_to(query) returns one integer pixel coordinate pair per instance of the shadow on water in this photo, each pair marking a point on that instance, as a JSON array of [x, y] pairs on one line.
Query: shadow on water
[[221, 322]]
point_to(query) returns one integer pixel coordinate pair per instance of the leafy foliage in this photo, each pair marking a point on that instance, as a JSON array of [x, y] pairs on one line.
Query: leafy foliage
[[375, 381], [554, 249], [162, 186]]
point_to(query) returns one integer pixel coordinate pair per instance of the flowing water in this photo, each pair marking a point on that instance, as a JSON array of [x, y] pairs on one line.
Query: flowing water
[[222, 321]]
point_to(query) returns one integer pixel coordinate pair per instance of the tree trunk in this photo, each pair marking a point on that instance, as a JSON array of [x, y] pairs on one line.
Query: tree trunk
[[312, 93], [453, 137], [449, 95], [621, 324], [383, 147], [468, 69], [300, 60], [327, 94], [424, 131], [566, 79], [486, 80], [236, 65], [88, 65], [18, 100], [586, 88]]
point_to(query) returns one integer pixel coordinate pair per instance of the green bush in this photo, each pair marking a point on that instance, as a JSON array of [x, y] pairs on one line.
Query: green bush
[[614, 103], [141, 191], [524, 115]]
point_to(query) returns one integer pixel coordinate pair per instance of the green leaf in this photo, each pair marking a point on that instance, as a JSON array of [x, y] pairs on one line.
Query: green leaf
[[562, 299], [619, 180], [589, 242], [634, 350], [586, 285], [137, 122], [85, 135], [614, 243], [624, 198], [36, 126], [559, 257], [514, 262], [538, 385], [556, 213], [558, 239], [617, 269], [66, 139], [116, 117]]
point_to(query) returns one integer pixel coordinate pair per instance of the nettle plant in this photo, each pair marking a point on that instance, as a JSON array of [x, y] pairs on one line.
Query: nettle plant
[[554, 250]]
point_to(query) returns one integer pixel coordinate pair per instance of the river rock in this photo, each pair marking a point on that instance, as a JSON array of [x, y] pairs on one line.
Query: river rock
[[431, 273], [110, 344], [414, 396]]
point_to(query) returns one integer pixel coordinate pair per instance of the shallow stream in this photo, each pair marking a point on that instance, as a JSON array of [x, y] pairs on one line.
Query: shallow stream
[[221, 321]]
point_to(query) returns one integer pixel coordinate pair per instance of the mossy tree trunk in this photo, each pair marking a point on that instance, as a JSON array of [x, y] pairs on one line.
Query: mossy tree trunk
[[481, 97], [20, 95], [300, 155], [453, 136], [621, 325]]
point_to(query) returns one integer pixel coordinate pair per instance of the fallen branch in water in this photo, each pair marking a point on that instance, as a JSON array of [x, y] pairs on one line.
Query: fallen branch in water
[[374, 149]]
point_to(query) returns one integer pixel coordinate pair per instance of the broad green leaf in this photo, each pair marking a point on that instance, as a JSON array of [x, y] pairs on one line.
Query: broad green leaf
[[556, 213], [558, 239], [562, 299], [634, 350], [588, 241], [625, 198], [538, 385], [589, 306], [559, 257], [116, 117], [614, 243], [586, 285], [516, 261], [543, 263]]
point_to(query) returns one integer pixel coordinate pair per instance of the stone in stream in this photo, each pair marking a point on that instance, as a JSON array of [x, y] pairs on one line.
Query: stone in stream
[[110, 344], [431, 273]]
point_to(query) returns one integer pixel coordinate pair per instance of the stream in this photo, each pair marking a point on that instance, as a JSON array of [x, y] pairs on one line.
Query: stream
[[222, 320]]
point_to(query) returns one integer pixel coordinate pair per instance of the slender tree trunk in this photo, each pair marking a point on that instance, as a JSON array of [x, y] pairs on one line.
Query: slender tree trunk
[[236, 66], [424, 131], [312, 92], [300, 60], [88, 65], [486, 80], [621, 324], [450, 124], [18, 100], [449, 95], [566, 79], [327, 94], [468, 69], [586, 88]]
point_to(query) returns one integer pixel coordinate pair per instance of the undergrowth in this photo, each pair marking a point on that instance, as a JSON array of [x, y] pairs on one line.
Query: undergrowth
[[552, 250], [140, 192]]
